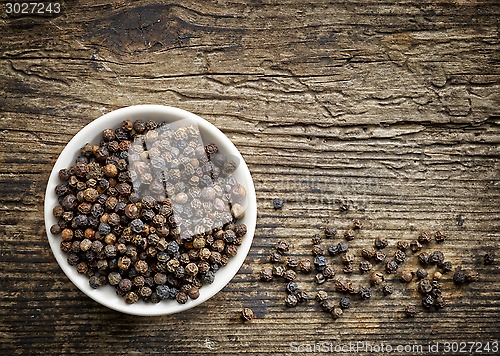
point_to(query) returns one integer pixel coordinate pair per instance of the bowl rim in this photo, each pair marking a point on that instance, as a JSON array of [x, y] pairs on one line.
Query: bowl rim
[[67, 158]]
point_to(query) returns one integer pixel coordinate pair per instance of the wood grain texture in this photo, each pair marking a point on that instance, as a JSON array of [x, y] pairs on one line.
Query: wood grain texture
[[390, 107]]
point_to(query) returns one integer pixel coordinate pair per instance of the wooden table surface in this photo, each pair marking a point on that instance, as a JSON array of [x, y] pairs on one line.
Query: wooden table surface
[[389, 107]]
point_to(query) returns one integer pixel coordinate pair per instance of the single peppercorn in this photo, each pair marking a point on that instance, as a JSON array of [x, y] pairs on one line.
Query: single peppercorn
[[277, 203], [330, 232], [377, 278], [349, 235], [437, 258], [282, 247], [321, 296], [328, 305], [266, 274], [342, 247], [365, 293], [290, 275], [379, 256], [440, 236], [317, 250], [428, 301], [399, 257], [381, 243], [421, 273], [336, 313], [489, 258], [425, 286], [347, 258], [425, 237], [424, 258], [403, 245], [415, 246], [291, 301], [55, 229], [410, 311], [292, 287], [316, 239], [247, 314], [391, 267], [305, 266], [357, 225], [387, 289], [406, 276], [365, 266], [319, 262], [320, 278], [278, 271], [328, 272], [471, 275], [368, 253], [439, 302], [345, 302]]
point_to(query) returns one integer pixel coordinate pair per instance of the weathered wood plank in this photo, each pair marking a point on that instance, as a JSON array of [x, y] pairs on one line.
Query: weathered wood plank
[[389, 107]]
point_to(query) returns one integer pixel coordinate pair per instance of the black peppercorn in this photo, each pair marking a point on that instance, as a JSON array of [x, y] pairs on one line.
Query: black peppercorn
[[320, 278], [391, 267], [247, 314], [428, 301], [424, 237], [376, 278], [317, 250], [387, 289], [425, 286], [321, 296], [292, 287], [328, 272], [365, 266], [305, 266], [330, 232], [436, 257], [368, 253], [379, 256], [424, 258], [471, 275], [415, 246], [289, 275], [489, 258], [380, 243], [319, 262], [282, 247], [266, 274], [399, 257], [277, 203], [336, 313], [345, 302], [403, 245], [365, 293], [349, 235], [410, 311], [406, 276], [342, 247], [421, 273], [278, 271], [328, 305], [291, 300]]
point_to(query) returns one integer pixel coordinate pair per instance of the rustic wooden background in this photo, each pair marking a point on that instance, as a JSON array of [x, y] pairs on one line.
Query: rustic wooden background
[[389, 107]]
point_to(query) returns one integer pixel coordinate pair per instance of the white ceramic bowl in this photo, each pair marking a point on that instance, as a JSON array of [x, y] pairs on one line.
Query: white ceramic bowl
[[92, 133]]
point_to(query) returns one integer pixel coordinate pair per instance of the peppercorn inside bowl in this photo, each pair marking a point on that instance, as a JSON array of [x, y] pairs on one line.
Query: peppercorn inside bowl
[[150, 210]]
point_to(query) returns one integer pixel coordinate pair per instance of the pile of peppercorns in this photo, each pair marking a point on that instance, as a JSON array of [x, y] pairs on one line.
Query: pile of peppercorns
[[369, 258], [151, 211]]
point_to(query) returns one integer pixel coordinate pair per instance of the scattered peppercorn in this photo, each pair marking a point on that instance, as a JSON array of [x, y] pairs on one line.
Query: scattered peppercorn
[[424, 237], [277, 203], [336, 313], [410, 311], [330, 232], [377, 278], [291, 300], [406, 276], [247, 314], [489, 258], [365, 293], [380, 243], [349, 235], [387, 289]]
